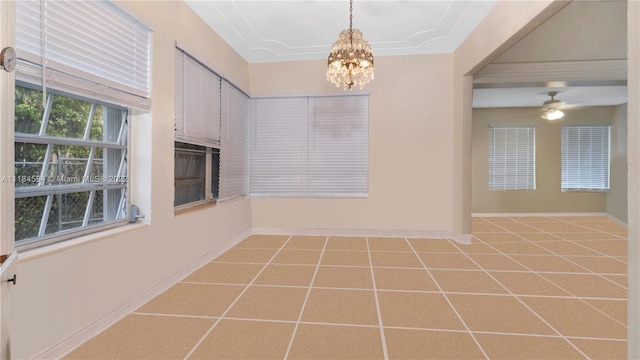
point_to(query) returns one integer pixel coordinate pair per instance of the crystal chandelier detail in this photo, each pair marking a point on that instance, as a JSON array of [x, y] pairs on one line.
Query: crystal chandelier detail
[[351, 59]]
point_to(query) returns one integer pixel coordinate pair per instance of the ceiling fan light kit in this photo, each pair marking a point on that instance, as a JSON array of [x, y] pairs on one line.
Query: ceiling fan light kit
[[550, 108]]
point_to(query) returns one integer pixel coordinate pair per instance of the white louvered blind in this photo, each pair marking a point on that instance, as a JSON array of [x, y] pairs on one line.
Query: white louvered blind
[[585, 157], [309, 146], [233, 148], [512, 158], [89, 48], [198, 111]]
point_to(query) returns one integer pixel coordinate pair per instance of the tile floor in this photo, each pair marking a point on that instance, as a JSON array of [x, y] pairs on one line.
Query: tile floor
[[526, 288]]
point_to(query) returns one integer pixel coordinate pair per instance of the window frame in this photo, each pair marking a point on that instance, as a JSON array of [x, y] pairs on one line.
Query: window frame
[[529, 170], [89, 184], [569, 178], [210, 192]]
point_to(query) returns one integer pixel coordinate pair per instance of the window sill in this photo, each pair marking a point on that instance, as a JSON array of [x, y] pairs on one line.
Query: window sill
[[199, 206], [32, 254]]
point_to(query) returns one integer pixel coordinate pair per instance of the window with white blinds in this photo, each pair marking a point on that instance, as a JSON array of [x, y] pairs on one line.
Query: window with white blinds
[[585, 157], [198, 110], [87, 48], [309, 146], [233, 155], [512, 158]]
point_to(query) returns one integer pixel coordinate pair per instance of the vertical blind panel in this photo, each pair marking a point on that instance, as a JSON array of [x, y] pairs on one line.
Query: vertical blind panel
[[90, 40], [279, 146], [338, 146], [233, 152], [512, 158], [201, 105], [308, 147], [585, 158]]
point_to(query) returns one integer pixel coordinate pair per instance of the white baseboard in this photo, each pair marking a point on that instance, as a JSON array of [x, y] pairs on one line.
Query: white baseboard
[[413, 234], [559, 214], [69, 344]]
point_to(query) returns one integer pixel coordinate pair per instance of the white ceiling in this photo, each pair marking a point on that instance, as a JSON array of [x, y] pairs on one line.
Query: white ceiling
[[293, 30], [270, 31]]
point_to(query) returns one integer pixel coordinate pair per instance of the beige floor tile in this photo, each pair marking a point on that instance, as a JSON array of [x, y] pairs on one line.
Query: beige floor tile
[[586, 235], [540, 236], [528, 283], [306, 242], [486, 227], [247, 255], [341, 307], [601, 264], [145, 337], [286, 275], [467, 282], [567, 248], [605, 226], [518, 227], [496, 262], [586, 285], [434, 245], [607, 247], [617, 309], [496, 313], [572, 317], [602, 349], [532, 219], [403, 279], [511, 347], [618, 279], [226, 273], [243, 339], [548, 263], [476, 247], [336, 342], [263, 241], [560, 227], [395, 259], [417, 310], [447, 261], [497, 237], [347, 243], [520, 248], [388, 244], [428, 344], [343, 277], [269, 303], [299, 257], [193, 299], [345, 258]]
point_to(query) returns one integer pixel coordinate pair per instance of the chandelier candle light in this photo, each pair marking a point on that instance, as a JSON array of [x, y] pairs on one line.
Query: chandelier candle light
[[351, 60]]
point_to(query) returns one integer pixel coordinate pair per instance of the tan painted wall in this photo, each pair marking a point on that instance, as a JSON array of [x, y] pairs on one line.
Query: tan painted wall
[[547, 197], [409, 181], [617, 197], [583, 30], [65, 290]]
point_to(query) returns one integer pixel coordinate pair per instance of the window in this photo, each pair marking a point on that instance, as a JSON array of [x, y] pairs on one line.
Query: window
[[585, 158], [82, 67], [310, 146], [70, 164], [191, 168], [234, 152], [512, 158]]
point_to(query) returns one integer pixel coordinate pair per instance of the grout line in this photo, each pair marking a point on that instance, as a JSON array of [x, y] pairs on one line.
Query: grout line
[[304, 303], [385, 351], [448, 301], [234, 301]]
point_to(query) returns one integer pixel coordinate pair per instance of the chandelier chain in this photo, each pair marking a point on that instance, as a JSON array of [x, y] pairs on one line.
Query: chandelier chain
[[351, 21]]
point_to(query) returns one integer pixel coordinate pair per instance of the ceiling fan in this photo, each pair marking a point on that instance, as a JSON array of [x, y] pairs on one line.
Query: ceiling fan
[[551, 108]]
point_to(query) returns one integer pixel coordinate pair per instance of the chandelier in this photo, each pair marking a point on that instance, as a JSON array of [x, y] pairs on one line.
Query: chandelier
[[351, 59]]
